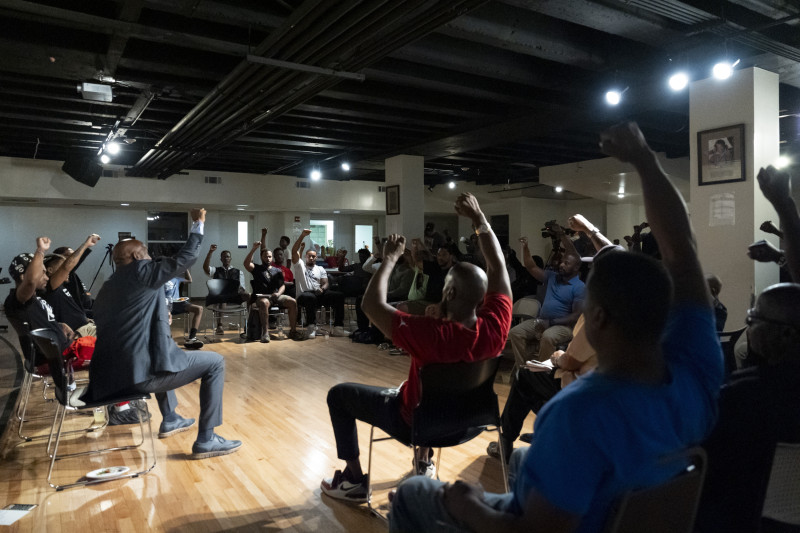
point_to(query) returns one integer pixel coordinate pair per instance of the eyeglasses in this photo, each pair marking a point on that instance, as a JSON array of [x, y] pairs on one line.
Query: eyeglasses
[[753, 316]]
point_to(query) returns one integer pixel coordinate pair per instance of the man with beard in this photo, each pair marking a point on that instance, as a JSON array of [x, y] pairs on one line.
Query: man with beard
[[563, 303]]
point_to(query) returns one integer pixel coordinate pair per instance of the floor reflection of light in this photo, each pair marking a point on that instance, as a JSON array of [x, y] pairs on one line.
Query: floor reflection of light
[[317, 461], [105, 505]]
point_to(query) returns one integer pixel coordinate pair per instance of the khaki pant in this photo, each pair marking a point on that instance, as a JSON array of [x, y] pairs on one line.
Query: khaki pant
[[523, 341]]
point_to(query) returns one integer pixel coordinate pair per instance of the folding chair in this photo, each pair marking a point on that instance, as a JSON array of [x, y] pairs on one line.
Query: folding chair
[[221, 301], [68, 399], [782, 503], [458, 403], [670, 507]]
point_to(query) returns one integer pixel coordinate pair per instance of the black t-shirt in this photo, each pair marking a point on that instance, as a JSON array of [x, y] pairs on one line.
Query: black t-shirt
[[38, 314], [267, 279], [230, 273], [64, 307], [436, 275]]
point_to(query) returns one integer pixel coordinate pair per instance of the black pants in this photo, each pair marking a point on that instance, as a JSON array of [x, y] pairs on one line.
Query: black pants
[[378, 406], [333, 299], [529, 392]]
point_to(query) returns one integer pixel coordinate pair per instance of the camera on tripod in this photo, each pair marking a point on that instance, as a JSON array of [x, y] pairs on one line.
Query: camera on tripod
[[549, 233]]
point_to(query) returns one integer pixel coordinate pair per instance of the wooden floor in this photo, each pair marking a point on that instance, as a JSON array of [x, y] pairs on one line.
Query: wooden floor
[[275, 403]]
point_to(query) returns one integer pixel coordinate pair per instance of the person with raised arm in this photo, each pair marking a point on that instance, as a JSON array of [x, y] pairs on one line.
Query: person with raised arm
[[473, 316], [653, 394]]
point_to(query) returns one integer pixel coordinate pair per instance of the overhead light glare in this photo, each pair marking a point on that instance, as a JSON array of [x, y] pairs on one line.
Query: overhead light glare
[[613, 97], [724, 69], [346, 166], [783, 162], [621, 195], [126, 205], [559, 188], [452, 184], [112, 148], [316, 174], [678, 81], [105, 159]]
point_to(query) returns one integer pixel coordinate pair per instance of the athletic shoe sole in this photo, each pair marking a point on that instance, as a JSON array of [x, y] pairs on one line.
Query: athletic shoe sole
[[165, 434], [345, 491], [215, 453]]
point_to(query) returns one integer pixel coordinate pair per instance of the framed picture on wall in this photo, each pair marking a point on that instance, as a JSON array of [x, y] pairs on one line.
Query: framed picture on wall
[[720, 155], [393, 200]]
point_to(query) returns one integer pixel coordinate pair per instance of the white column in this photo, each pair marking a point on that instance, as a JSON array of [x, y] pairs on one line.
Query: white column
[[749, 97], [407, 172]]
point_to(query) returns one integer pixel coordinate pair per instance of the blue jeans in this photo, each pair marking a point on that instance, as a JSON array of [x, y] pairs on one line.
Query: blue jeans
[[418, 505]]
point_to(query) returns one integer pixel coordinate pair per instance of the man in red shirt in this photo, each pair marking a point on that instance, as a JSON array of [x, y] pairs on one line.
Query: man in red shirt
[[471, 323]]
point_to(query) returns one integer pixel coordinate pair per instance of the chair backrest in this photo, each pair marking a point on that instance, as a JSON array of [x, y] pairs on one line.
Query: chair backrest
[[457, 403], [221, 290], [727, 340], [47, 343], [29, 352], [670, 507], [525, 309], [783, 492]]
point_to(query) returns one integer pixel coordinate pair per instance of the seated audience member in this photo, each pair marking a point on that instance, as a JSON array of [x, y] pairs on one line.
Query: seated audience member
[[135, 351], [338, 260], [653, 394], [74, 284], [226, 271], [561, 307], [432, 239], [66, 309], [759, 406], [269, 290], [720, 311], [279, 261], [475, 311], [355, 284], [533, 385], [312, 289], [429, 275], [176, 306], [24, 305]]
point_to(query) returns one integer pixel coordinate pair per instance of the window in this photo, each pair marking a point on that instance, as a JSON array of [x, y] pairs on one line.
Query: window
[[166, 232], [322, 232], [241, 238], [363, 237]]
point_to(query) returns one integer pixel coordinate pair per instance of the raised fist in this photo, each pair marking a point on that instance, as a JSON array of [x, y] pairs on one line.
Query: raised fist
[[198, 215], [213, 248], [92, 239], [43, 243]]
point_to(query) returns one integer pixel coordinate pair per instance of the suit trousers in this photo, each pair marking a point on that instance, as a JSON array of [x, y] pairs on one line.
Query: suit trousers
[[529, 392], [209, 367]]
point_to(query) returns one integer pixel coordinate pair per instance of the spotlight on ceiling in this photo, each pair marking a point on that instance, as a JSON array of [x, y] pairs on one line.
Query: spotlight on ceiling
[[783, 161], [724, 69], [621, 195], [105, 159], [346, 166], [316, 174], [678, 81], [559, 188], [614, 97], [452, 184], [112, 148]]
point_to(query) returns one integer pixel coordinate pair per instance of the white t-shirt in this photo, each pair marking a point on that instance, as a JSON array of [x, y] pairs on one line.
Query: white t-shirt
[[308, 279]]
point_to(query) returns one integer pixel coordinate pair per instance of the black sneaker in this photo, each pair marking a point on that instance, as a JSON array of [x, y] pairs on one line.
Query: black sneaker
[[116, 417], [193, 344]]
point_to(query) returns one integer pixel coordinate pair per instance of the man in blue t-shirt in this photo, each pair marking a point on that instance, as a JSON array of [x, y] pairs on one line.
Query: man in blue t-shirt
[[180, 306], [561, 307], [614, 429]]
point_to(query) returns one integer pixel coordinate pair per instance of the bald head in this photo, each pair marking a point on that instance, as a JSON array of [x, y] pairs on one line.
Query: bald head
[[464, 287], [129, 251], [774, 325]]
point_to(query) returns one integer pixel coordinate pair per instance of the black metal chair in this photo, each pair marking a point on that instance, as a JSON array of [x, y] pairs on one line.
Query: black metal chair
[[223, 300], [68, 399], [458, 403], [670, 507]]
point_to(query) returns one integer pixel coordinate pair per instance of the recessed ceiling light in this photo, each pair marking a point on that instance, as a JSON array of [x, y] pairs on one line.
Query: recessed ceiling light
[[345, 166], [559, 188], [105, 159], [678, 81], [316, 174], [452, 184], [125, 205]]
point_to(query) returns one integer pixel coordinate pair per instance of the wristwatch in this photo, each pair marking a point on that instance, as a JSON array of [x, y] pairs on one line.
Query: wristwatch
[[483, 228]]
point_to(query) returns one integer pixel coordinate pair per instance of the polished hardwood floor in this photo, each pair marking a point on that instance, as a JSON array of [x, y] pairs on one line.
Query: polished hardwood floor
[[275, 402]]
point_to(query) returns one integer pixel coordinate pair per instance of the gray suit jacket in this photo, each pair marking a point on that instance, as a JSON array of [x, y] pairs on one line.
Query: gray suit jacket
[[134, 342]]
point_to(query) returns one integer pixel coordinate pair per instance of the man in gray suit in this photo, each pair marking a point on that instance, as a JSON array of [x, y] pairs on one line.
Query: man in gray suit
[[135, 351]]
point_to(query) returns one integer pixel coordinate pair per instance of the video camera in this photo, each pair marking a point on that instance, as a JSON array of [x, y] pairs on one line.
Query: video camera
[[548, 233]]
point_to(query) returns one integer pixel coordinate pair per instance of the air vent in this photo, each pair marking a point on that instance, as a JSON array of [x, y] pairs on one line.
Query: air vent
[[381, 188], [303, 185], [113, 173], [214, 179]]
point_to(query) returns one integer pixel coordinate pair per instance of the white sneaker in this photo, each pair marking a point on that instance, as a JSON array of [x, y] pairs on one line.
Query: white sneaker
[[426, 469], [265, 337], [339, 331], [310, 334]]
